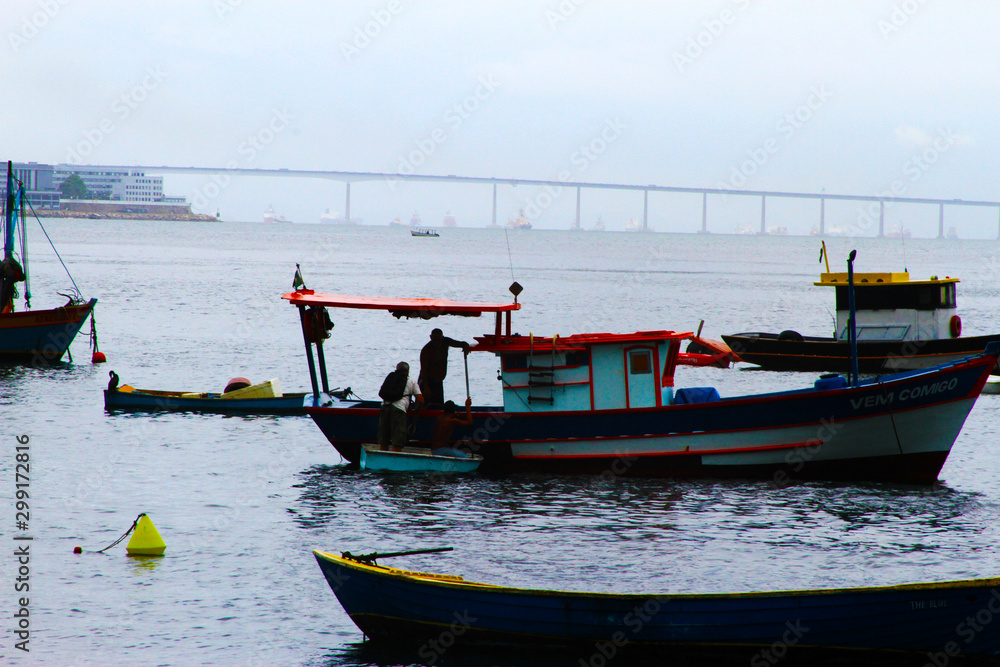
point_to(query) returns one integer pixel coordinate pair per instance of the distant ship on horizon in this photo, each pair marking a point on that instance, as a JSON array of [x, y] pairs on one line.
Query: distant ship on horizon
[[449, 220], [270, 216], [329, 218], [899, 232], [520, 222]]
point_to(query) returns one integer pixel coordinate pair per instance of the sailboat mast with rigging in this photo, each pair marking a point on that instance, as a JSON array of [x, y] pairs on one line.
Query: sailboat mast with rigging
[[35, 336]]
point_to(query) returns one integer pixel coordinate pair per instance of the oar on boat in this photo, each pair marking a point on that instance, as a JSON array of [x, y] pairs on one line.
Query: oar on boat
[[370, 559]]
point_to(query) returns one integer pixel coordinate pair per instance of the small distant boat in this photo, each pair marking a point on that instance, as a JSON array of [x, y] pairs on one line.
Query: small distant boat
[[520, 222], [952, 233], [424, 232], [899, 232], [31, 335], [599, 225], [414, 459], [415, 220], [632, 225], [262, 398], [396, 223], [449, 220], [270, 216], [392, 607]]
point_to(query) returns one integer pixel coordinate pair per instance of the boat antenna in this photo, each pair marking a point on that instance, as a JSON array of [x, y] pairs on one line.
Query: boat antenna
[[823, 255], [851, 325], [903, 239], [509, 257]]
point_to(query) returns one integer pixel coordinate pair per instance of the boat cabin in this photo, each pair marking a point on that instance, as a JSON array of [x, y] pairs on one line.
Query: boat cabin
[[891, 307], [585, 371], [582, 372]]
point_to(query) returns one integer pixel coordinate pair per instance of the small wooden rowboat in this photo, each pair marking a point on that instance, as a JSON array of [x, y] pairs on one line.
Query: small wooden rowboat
[[262, 398], [414, 459], [394, 606]]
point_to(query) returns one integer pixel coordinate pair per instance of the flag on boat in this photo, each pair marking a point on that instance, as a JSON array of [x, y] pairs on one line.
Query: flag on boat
[[297, 282]]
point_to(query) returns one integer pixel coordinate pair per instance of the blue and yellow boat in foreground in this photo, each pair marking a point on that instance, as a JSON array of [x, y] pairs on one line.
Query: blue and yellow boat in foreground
[[394, 606]]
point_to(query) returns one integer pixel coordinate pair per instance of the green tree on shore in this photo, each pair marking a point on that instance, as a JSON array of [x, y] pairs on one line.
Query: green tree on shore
[[74, 188]]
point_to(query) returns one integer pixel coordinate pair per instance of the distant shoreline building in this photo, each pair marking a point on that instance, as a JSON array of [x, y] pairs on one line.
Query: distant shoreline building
[[109, 187]]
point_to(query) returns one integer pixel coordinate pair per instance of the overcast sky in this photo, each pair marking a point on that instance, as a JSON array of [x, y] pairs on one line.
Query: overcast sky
[[842, 96]]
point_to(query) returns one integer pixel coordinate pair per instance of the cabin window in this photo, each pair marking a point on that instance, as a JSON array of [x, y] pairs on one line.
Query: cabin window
[[948, 295], [576, 359], [880, 333], [640, 362], [515, 362], [890, 297]]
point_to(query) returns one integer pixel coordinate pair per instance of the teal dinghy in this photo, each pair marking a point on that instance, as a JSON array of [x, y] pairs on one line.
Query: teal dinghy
[[414, 459]]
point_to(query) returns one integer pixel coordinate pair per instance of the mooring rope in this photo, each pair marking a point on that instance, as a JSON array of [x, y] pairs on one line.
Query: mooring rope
[[131, 528]]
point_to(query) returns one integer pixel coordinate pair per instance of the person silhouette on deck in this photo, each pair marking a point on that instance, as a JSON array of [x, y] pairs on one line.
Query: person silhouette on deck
[[434, 366]]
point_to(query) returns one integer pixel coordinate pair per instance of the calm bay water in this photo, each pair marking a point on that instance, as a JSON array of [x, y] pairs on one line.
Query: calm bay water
[[242, 501]]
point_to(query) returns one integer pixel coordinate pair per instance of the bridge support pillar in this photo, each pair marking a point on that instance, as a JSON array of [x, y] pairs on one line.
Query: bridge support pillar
[[645, 210], [704, 212], [576, 225]]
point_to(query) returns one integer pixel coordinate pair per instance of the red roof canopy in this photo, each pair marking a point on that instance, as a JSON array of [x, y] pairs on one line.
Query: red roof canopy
[[422, 308], [519, 343]]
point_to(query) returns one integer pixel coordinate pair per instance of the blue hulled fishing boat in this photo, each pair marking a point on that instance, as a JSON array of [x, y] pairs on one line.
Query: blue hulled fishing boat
[[605, 403], [399, 607]]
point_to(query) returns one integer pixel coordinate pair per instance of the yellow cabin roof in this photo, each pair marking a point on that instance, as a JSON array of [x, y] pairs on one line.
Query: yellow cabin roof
[[835, 279]]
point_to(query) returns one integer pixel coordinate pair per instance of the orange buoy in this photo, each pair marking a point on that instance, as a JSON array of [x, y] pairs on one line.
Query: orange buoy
[[98, 358], [78, 550]]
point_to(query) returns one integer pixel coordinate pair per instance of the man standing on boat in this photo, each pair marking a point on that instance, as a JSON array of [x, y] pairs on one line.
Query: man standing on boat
[[392, 416], [434, 365]]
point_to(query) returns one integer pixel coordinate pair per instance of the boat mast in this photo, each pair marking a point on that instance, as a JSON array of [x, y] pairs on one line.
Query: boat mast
[[9, 214]]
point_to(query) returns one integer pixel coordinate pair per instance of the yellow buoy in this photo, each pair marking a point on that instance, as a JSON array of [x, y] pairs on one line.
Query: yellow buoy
[[146, 540]]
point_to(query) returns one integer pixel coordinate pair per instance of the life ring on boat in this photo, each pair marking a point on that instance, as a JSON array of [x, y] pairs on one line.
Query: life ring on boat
[[317, 324], [955, 326]]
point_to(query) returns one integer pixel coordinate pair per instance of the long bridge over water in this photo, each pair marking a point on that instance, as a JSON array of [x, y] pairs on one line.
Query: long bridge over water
[[875, 209]]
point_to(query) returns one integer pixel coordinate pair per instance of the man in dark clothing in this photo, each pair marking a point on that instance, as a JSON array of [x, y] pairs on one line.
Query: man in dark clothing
[[392, 416], [434, 366]]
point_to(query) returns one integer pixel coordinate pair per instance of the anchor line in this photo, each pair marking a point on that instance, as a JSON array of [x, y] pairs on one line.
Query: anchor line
[[131, 528], [892, 419]]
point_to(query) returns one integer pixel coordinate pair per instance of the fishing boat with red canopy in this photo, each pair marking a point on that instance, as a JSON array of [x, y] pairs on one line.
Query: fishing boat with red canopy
[[34, 336], [605, 403]]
